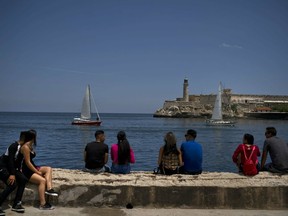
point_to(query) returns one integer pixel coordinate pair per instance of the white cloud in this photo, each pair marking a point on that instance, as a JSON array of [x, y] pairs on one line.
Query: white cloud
[[232, 46]]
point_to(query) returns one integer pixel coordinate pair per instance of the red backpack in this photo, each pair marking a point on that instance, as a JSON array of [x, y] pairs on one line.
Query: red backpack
[[249, 167]]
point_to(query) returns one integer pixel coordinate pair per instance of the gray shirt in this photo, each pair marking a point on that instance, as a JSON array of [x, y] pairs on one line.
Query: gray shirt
[[278, 150]]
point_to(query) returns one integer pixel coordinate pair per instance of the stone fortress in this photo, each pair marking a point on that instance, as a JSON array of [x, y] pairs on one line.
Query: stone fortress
[[233, 105]]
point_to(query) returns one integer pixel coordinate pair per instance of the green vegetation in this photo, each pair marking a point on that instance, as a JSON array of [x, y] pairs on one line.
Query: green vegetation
[[234, 108], [280, 108]]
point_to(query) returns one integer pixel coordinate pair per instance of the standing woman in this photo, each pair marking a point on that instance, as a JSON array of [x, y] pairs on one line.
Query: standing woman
[[170, 158], [122, 155], [42, 176]]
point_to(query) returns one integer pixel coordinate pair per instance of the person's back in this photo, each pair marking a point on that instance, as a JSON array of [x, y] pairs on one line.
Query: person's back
[[245, 151], [96, 153], [169, 159], [278, 150], [122, 155], [192, 154]]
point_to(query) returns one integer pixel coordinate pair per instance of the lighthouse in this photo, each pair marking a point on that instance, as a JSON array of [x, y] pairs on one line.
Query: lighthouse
[[185, 90]]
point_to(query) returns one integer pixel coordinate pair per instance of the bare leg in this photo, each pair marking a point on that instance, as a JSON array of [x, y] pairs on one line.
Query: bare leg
[[47, 173], [41, 182]]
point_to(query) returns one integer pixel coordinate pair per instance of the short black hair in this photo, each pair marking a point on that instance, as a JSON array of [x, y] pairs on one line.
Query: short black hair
[[271, 130], [98, 132], [192, 133], [249, 138]]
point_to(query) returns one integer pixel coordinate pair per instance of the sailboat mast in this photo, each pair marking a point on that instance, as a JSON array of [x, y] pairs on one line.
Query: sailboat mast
[[89, 96], [97, 113]]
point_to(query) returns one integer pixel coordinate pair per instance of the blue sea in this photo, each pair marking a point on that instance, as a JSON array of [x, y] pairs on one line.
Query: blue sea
[[61, 145]]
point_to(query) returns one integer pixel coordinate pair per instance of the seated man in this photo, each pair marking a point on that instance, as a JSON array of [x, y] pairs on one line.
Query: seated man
[[96, 154], [192, 154], [278, 150]]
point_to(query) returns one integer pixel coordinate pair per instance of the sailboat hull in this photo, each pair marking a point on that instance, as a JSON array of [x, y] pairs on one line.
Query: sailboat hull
[[86, 122], [211, 122]]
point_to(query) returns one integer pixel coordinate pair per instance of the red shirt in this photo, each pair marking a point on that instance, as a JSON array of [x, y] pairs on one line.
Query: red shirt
[[248, 150]]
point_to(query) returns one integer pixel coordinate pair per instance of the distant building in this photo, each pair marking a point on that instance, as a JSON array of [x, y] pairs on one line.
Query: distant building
[[234, 105]]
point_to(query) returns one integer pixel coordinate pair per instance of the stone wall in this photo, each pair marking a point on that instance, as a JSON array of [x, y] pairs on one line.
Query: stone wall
[[144, 189]]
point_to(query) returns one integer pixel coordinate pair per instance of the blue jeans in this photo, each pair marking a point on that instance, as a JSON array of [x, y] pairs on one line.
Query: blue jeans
[[121, 169]]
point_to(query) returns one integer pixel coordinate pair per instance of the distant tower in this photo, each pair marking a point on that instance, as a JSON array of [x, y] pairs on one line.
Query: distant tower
[[185, 91]]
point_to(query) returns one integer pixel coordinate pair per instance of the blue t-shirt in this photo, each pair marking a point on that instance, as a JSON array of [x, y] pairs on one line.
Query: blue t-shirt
[[192, 156]]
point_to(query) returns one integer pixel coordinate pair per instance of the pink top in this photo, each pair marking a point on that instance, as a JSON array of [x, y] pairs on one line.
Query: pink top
[[114, 154]]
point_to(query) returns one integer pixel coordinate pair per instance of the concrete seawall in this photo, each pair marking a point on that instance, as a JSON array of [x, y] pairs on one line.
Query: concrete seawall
[[144, 189]]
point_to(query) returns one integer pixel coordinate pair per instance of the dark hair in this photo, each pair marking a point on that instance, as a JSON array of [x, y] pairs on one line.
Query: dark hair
[[249, 138], [192, 133], [27, 136], [98, 132], [22, 136], [32, 131], [123, 148], [170, 144], [271, 130]]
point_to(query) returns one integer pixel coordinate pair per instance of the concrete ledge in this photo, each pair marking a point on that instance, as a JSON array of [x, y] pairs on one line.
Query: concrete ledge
[[144, 189]]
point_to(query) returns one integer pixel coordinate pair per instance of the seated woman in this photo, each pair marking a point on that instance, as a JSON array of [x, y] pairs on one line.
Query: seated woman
[[245, 151], [122, 155], [170, 158], [42, 176]]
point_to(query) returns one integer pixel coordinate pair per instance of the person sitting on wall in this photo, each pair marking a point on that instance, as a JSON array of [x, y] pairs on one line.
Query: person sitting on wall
[[249, 148], [96, 154], [278, 150], [122, 155], [170, 158], [10, 174], [192, 154]]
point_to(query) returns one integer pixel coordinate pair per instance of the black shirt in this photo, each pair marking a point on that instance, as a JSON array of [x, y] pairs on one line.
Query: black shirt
[[12, 159], [95, 155]]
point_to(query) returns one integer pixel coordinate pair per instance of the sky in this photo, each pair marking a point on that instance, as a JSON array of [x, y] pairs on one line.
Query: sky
[[135, 54]]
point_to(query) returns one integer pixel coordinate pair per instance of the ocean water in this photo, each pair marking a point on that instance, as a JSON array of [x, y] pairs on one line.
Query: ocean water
[[61, 145]]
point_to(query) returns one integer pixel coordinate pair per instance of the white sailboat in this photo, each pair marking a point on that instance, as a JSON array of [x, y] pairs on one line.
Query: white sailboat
[[85, 118], [217, 118]]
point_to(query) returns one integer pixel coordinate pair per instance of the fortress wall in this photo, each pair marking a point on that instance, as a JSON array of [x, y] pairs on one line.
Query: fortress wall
[[144, 189]]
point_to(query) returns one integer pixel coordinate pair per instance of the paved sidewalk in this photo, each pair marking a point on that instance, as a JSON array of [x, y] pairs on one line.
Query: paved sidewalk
[[89, 211]]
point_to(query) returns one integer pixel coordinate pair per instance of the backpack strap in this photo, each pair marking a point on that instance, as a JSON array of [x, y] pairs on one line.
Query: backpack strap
[[253, 148]]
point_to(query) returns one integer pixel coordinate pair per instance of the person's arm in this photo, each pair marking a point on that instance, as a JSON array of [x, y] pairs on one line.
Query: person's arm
[[26, 153], [12, 149], [11, 163], [236, 153], [264, 154], [258, 152], [85, 155], [112, 153], [180, 158], [132, 156], [160, 156], [263, 159], [106, 158]]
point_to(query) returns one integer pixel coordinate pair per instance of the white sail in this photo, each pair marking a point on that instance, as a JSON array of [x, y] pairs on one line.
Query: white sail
[[217, 110], [85, 118], [217, 118], [86, 105]]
